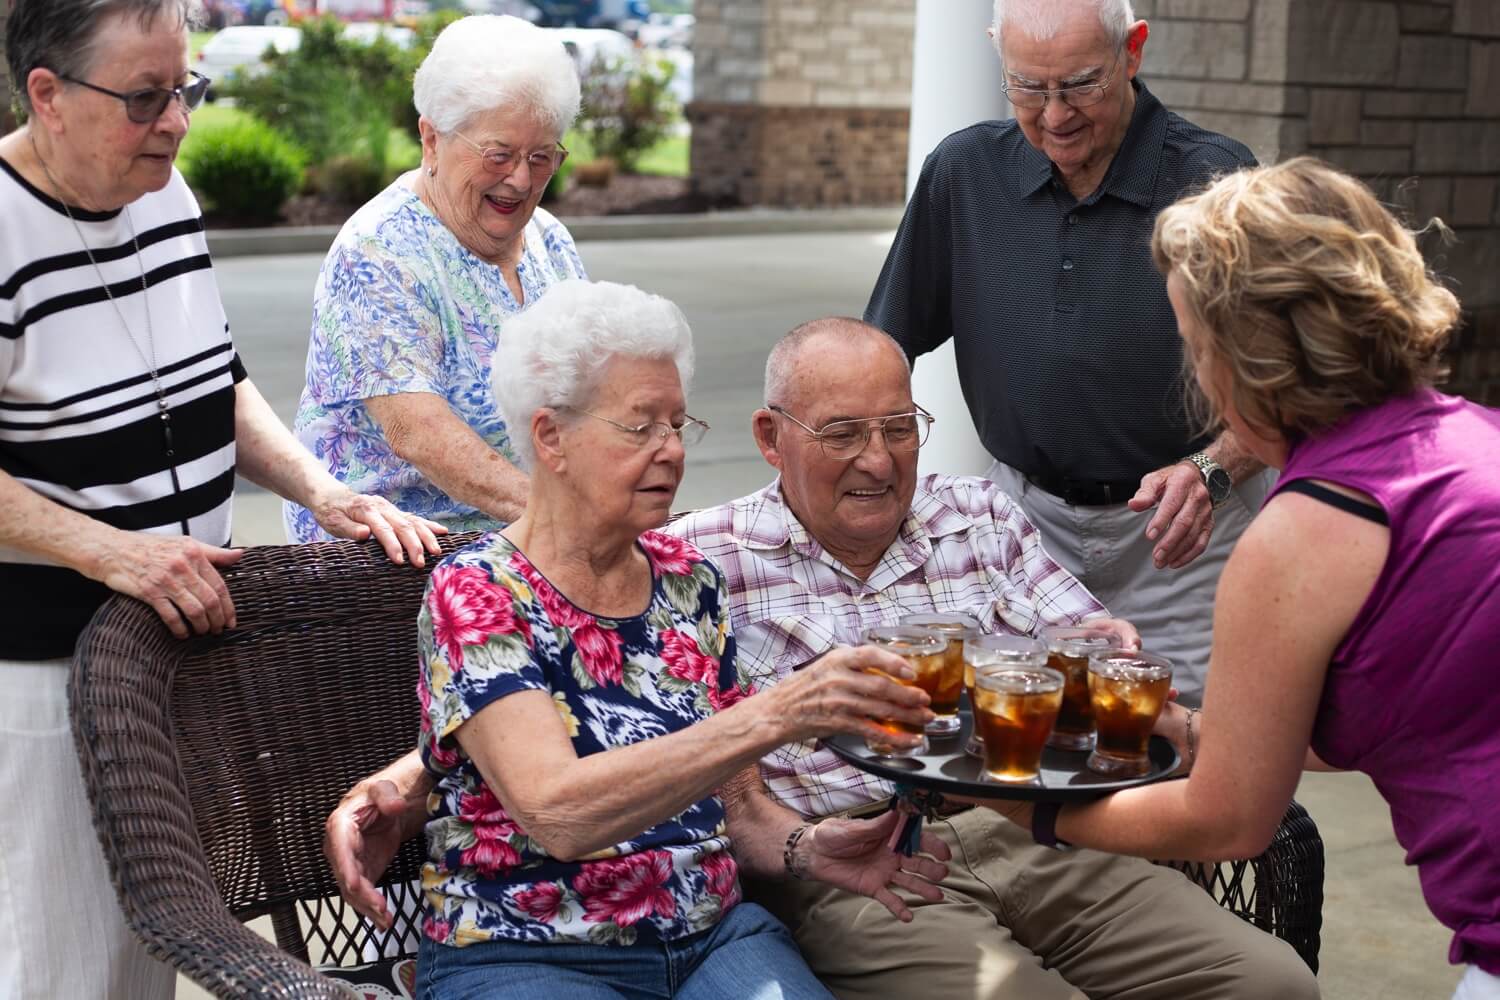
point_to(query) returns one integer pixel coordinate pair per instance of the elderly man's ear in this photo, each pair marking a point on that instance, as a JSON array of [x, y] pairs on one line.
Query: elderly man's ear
[[764, 426]]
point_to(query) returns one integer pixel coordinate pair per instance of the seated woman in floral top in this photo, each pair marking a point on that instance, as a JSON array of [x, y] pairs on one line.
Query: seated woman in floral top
[[582, 705]]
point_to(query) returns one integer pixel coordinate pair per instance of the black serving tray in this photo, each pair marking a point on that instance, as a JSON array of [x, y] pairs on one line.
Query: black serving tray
[[945, 767]]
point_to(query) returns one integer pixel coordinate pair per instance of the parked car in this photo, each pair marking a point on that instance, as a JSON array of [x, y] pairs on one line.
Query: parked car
[[239, 50], [365, 32], [591, 46]]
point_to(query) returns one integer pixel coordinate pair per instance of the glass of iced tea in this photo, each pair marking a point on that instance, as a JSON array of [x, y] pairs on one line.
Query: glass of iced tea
[[955, 628], [1068, 649], [1014, 709], [924, 650], [989, 652], [1127, 689]]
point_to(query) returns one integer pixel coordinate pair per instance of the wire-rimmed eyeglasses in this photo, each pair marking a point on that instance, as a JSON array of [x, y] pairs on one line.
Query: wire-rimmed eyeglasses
[[654, 433], [842, 440], [144, 106], [1083, 95], [500, 161]]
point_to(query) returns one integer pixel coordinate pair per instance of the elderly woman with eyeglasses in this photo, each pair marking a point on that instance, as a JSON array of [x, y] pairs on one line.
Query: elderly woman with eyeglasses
[[418, 288], [582, 706], [124, 415]]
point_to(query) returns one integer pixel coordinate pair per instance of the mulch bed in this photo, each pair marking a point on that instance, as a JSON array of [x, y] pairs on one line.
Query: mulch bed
[[626, 194]]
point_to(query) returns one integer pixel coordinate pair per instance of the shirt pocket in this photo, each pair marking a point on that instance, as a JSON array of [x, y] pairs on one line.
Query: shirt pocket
[[772, 649]]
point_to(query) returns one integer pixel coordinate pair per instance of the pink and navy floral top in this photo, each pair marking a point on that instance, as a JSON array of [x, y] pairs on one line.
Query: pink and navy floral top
[[491, 625]]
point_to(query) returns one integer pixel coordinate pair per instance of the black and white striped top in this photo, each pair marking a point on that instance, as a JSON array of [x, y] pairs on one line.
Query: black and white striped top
[[79, 417]]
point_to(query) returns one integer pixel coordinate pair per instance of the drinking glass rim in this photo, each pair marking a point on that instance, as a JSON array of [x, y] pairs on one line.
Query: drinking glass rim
[[1067, 638], [887, 636], [951, 624], [1019, 645], [1129, 664], [1035, 680]]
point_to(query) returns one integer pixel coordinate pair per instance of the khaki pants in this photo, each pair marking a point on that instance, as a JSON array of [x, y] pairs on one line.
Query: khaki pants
[[1023, 922]]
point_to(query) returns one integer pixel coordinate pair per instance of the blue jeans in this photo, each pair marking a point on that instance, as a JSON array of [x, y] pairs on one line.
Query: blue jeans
[[747, 954]]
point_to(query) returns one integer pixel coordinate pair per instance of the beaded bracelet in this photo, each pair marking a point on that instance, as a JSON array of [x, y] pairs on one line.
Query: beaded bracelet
[[1192, 741], [795, 867]]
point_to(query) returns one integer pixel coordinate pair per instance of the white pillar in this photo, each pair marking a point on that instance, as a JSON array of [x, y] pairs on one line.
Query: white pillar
[[956, 82]]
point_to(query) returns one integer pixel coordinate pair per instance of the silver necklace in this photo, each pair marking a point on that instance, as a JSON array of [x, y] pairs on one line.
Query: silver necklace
[[148, 361]]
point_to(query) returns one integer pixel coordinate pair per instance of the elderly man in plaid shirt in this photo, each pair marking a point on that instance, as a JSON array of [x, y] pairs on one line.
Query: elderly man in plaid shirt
[[848, 537]]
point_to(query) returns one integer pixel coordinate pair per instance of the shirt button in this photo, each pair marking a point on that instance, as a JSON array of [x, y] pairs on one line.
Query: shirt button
[[1072, 218], [1067, 263]]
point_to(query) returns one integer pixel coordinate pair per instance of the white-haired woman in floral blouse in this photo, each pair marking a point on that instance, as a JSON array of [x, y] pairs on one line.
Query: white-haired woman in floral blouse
[[582, 705]]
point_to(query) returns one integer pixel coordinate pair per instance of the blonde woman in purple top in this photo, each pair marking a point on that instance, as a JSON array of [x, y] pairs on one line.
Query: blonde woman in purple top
[[1358, 619]]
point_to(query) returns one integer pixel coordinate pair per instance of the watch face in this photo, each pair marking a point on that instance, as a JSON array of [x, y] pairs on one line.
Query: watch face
[[1219, 485]]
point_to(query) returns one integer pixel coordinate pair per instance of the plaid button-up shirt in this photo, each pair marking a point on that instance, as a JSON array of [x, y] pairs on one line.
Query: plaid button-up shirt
[[965, 547]]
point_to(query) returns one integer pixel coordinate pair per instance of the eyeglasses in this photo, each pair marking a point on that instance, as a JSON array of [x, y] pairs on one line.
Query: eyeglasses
[[842, 440], [655, 433], [1082, 96], [144, 106], [503, 162]]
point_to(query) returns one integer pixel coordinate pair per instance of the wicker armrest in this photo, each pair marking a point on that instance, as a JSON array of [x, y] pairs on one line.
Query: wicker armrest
[[1280, 890]]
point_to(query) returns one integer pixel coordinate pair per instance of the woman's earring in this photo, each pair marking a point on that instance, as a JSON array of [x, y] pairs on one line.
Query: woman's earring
[[432, 171]]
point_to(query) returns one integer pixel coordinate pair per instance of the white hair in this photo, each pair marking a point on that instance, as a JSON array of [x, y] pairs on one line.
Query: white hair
[[1042, 19], [484, 62], [554, 353]]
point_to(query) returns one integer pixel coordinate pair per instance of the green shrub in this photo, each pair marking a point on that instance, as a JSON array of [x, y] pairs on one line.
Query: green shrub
[[242, 167], [558, 185], [627, 108]]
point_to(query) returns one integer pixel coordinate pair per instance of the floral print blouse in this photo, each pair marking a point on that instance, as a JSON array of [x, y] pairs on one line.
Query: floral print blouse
[[492, 625], [402, 306]]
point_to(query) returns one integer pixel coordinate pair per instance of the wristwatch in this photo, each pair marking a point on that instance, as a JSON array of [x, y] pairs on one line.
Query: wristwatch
[[1220, 486]]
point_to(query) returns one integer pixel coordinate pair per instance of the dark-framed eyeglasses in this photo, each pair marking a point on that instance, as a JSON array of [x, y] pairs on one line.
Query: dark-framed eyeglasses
[[144, 106], [842, 440], [503, 162], [1083, 95], [654, 434]]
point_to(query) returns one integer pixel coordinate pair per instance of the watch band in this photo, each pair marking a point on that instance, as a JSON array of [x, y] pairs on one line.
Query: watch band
[[1044, 826], [796, 865]]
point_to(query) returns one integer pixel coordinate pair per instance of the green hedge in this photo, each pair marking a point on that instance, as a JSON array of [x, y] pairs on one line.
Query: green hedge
[[242, 167]]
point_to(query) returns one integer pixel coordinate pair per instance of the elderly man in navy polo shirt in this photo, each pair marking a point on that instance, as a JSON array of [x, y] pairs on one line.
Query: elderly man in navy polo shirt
[[1028, 242]]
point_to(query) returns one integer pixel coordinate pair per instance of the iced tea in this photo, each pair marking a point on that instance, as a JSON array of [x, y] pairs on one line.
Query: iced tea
[[1014, 710], [1068, 649], [1127, 690], [924, 650], [995, 652], [945, 693]]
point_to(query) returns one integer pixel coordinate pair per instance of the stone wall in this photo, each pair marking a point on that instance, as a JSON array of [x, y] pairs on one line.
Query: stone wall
[[1404, 94], [799, 104]]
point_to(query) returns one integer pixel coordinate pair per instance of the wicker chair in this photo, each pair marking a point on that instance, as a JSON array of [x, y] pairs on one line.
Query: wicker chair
[[212, 763]]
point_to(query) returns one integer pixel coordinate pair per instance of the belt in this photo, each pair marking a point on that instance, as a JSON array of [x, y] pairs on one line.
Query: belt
[[1085, 492], [944, 809]]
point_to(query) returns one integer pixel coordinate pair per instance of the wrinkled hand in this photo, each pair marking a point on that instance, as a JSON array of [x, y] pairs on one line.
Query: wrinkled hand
[[360, 839], [1184, 517], [852, 854], [1119, 628], [177, 576], [844, 690], [347, 514]]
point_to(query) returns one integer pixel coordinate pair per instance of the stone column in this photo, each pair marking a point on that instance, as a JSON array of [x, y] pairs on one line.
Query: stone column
[[801, 104], [1406, 95]]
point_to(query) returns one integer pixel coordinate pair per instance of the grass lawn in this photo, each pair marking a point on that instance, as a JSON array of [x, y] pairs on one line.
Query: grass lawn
[[668, 158], [196, 41]]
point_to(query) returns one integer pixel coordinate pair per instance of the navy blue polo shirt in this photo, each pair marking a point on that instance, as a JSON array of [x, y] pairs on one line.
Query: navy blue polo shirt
[[1067, 349]]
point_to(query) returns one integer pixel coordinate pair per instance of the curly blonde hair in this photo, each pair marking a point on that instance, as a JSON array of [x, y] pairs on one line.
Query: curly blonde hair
[[1312, 296]]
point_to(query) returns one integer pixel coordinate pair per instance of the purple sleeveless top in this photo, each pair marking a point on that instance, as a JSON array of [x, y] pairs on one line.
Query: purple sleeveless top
[[1412, 696]]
